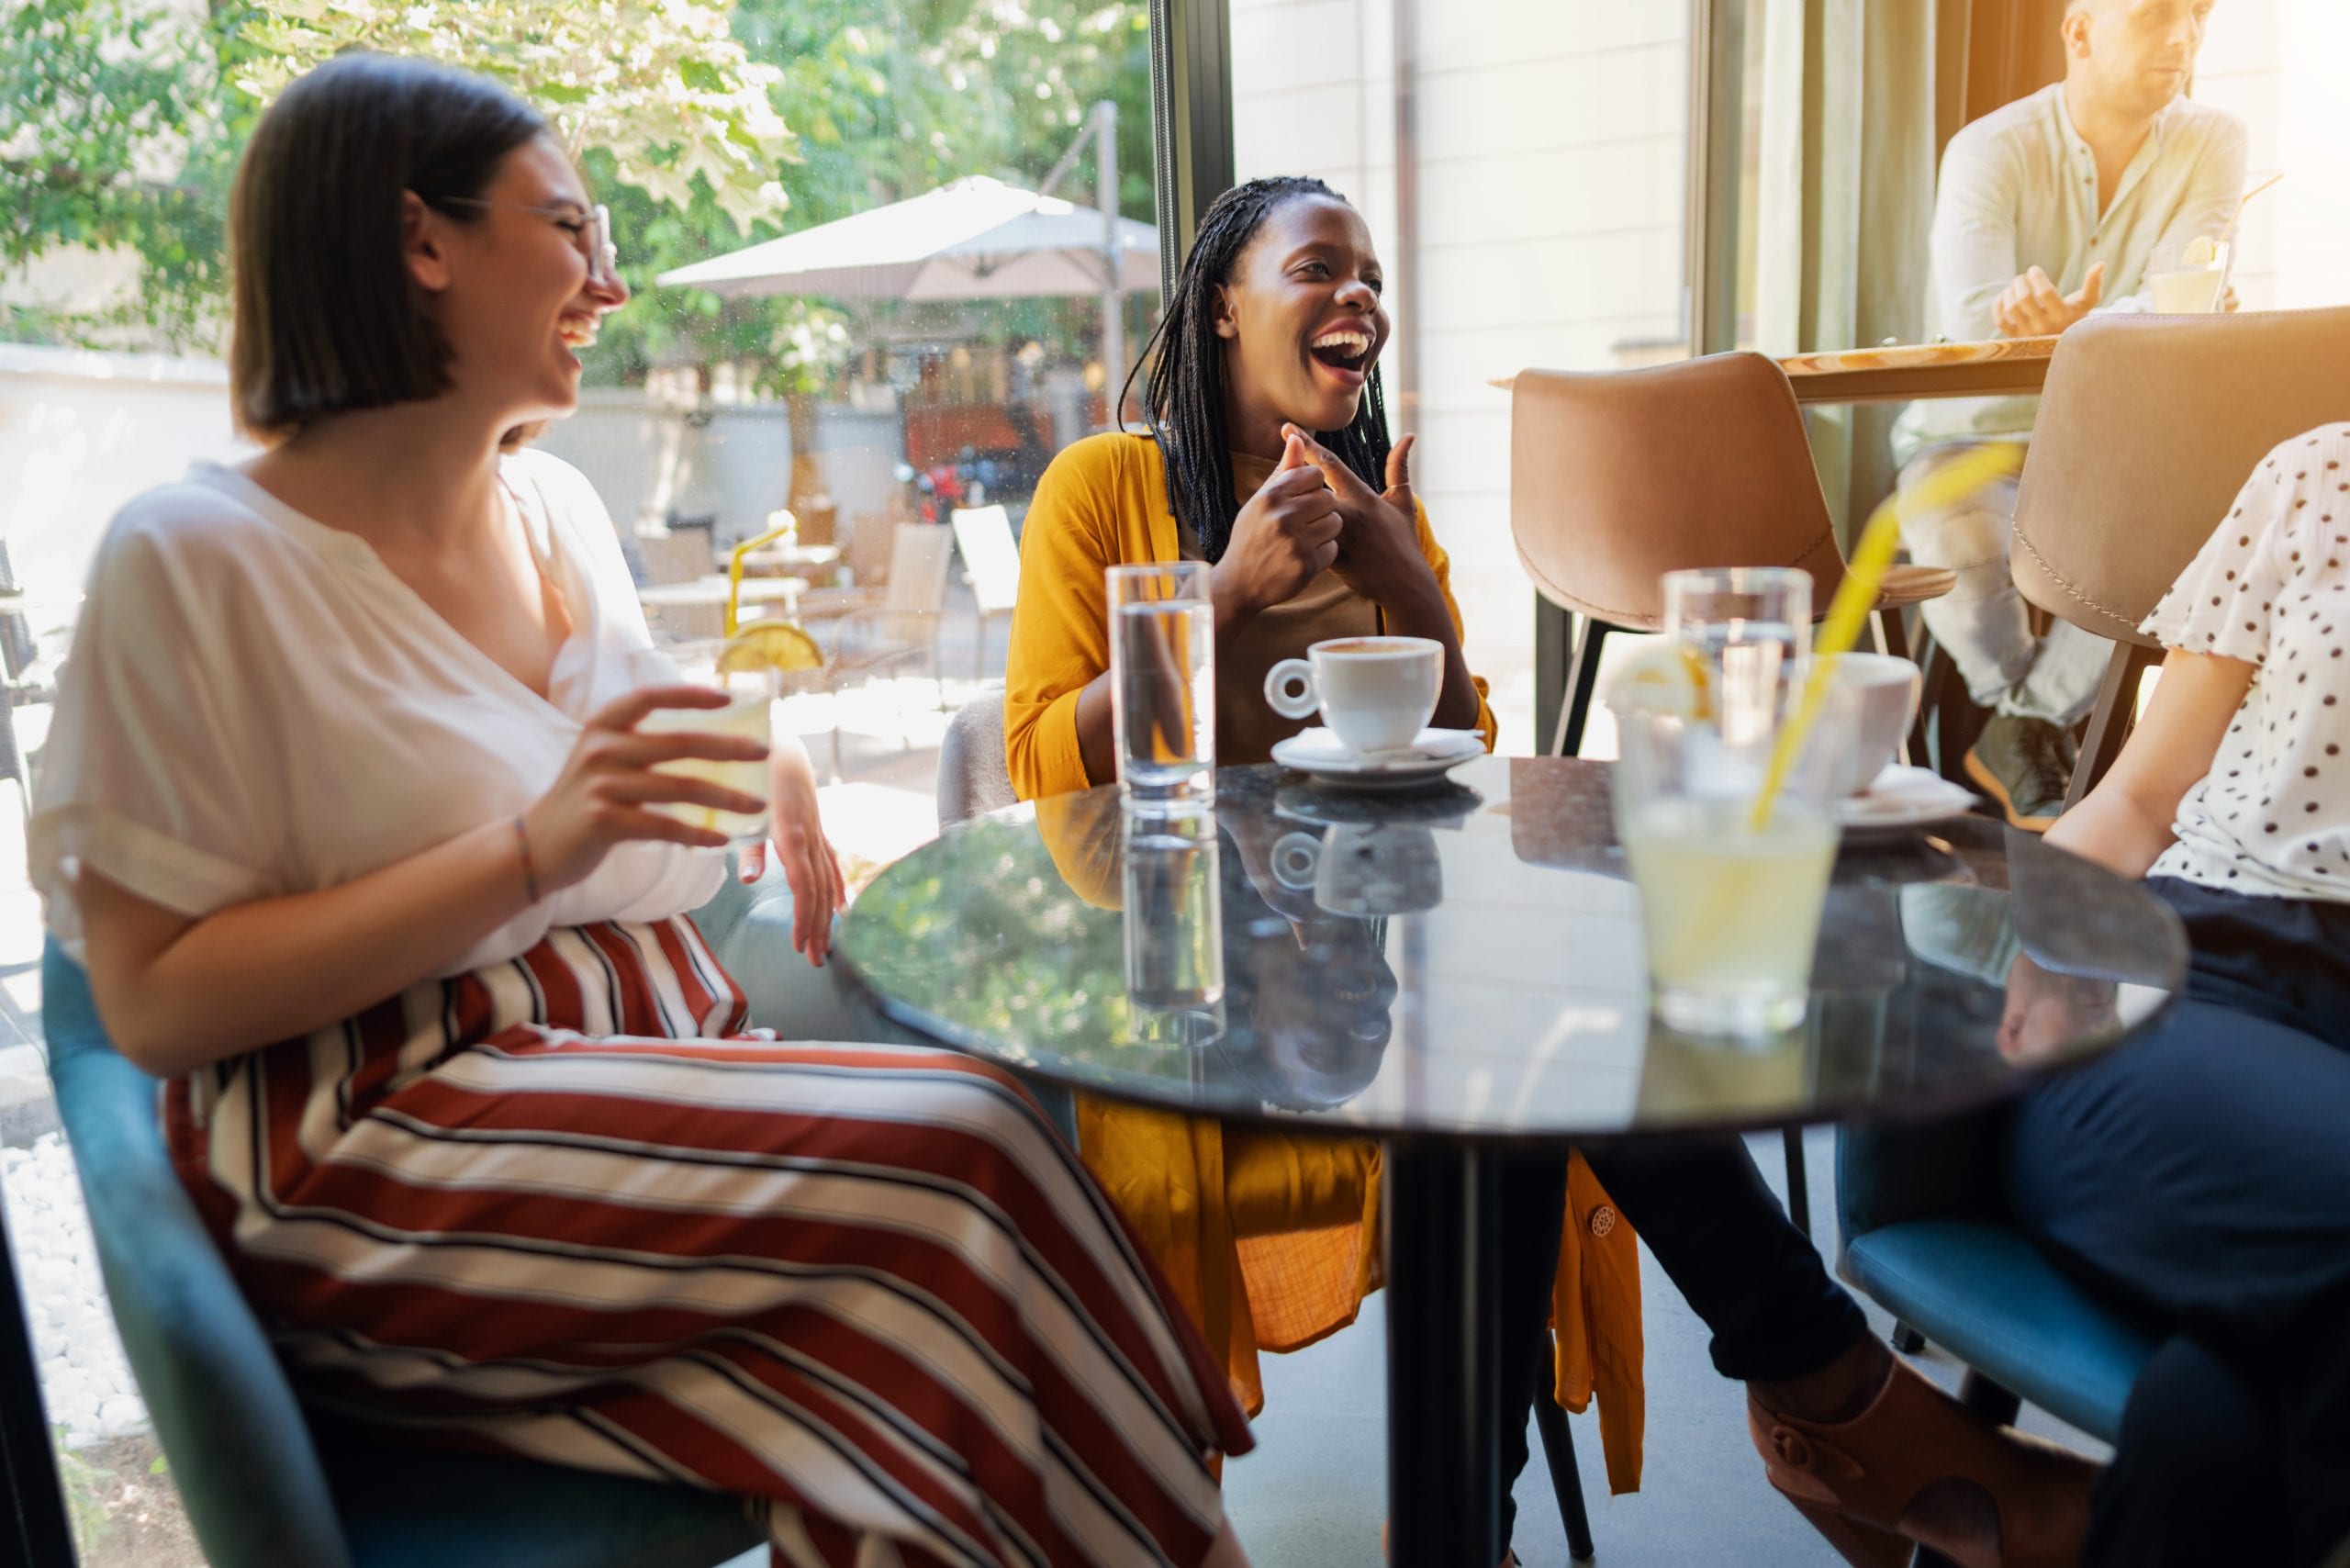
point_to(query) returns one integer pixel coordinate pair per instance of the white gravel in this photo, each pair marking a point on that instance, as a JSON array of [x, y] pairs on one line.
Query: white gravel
[[85, 1378]]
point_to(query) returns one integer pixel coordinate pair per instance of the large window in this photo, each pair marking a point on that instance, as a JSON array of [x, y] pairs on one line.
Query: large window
[[870, 401]]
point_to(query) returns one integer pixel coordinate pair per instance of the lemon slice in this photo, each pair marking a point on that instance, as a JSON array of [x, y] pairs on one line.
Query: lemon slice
[[2200, 252], [1665, 680], [769, 644]]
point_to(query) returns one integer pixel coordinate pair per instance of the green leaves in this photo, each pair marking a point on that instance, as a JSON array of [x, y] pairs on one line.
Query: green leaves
[[704, 127]]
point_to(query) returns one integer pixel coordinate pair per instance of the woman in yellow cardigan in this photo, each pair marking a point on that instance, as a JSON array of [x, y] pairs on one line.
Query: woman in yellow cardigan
[[1267, 456]]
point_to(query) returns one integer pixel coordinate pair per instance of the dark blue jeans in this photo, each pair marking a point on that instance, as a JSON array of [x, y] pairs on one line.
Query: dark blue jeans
[[2202, 1176]]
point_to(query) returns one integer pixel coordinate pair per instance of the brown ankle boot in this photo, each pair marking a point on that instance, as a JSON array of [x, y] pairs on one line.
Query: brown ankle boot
[[1856, 1481]]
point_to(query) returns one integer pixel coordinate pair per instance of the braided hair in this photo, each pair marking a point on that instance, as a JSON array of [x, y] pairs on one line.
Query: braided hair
[[1183, 399]]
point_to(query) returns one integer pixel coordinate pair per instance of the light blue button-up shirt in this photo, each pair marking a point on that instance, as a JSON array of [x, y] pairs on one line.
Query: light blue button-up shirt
[[2019, 190]]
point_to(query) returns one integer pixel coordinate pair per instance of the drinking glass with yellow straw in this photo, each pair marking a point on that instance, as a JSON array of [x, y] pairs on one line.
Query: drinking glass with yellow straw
[[1731, 827]]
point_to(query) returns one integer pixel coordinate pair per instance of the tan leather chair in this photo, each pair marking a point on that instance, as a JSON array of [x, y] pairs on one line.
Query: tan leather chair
[[1617, 477], [2148, 427]]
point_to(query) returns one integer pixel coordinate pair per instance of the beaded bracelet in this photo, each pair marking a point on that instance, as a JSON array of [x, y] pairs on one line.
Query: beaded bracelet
[[530, 871]]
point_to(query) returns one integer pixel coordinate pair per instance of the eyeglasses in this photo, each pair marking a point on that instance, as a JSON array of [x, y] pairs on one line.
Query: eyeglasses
[[590, 231]]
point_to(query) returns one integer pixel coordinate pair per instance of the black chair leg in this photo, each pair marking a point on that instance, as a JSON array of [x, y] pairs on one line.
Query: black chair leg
[[2113, 719], [1566, 1481], [1798, 1181], [1583, 680]]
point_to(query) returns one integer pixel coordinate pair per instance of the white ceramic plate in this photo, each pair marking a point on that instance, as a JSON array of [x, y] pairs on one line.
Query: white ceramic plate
[[1903, 797], [1317, 753]]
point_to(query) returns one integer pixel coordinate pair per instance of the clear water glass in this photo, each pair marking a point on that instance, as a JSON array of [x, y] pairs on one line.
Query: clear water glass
[[1162, 684], [1174, 903], [1749, 629]]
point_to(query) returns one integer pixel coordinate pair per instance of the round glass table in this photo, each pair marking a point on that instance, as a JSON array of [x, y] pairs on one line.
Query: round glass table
[[1456, 969]]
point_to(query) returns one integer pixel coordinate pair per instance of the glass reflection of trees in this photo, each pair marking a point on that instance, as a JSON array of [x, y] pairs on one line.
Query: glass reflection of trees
[[991, 938]]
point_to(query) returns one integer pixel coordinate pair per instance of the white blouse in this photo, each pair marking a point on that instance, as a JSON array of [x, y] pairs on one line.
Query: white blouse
[[256, 705], [2272, 586]]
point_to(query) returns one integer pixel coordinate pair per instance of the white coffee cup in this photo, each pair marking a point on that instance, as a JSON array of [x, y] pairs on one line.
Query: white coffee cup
[[1886, 689], [1375, 693]]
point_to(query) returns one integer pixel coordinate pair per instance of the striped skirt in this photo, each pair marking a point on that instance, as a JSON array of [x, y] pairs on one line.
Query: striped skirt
[[564, 1207]]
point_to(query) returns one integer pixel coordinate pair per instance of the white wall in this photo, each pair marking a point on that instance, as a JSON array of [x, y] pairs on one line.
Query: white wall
[[81, 433], [1550, 164]]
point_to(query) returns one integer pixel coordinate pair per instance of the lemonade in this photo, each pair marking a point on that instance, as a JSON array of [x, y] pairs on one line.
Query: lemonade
[[745, 715], [1731, 913]]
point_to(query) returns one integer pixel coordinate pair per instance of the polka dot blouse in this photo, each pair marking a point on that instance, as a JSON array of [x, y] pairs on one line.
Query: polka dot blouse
[[2272, 587]]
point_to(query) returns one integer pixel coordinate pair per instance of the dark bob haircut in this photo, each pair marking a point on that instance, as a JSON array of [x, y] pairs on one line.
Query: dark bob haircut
[[328, 320]]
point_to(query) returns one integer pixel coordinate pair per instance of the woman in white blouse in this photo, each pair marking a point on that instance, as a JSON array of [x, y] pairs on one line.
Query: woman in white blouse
[[346, 811], [2202, 1175]]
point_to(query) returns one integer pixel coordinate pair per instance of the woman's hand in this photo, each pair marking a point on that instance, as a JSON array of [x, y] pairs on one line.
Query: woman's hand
[[1379, 546], [1286, 535], [809, 864], [601, 798]]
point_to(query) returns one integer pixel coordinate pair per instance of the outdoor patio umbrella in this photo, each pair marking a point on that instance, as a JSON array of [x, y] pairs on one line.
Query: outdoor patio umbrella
[[976, 239]]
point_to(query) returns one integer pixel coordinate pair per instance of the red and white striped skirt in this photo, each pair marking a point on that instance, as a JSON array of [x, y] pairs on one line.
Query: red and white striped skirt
[[563, 1206]]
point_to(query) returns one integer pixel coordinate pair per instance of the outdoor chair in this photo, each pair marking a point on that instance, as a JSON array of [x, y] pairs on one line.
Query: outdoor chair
[[973, 778], [1617, 477], [683, 557], [867, 640], [2148, 428], [991, 566], [19, 657], [872, 539]]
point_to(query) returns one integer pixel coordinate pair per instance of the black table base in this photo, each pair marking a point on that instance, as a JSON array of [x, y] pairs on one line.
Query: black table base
[[1443, 1202]]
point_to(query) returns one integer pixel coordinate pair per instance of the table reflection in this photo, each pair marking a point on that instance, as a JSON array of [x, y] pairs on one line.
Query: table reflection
[[1471, 960]]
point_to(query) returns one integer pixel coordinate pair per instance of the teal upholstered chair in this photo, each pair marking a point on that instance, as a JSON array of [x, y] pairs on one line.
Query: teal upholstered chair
[[264, 1486], [1928, 1237]]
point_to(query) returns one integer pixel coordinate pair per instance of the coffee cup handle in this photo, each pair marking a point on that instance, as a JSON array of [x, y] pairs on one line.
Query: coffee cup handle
[[1289, 689]]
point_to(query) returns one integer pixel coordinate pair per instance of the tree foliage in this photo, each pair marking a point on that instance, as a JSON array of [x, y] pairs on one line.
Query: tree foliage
[[705, 128]]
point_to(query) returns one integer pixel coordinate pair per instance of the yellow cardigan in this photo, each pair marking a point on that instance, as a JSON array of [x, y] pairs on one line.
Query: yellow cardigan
[[1270, 1239]]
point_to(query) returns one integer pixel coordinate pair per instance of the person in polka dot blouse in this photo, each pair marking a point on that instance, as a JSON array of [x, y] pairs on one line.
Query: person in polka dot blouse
[[2202, 1172], [2264, 617]]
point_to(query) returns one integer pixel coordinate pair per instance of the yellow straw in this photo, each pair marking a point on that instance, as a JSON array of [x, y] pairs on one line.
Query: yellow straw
[[1856, 597]]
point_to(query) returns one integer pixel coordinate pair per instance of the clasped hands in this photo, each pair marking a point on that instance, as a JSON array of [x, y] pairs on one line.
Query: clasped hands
[[1315, 514]]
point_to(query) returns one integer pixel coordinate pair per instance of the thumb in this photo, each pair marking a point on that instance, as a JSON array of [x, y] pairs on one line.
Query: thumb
[[1342, 480], [753, 865], [1398, 472], [2092, 287], [1292, 453]]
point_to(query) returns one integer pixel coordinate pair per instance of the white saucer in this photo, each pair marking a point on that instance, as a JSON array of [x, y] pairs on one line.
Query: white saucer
[[1903, 797], [1432, 754]]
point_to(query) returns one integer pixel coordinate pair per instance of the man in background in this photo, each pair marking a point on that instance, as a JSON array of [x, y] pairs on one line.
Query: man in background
[[2048, 208]]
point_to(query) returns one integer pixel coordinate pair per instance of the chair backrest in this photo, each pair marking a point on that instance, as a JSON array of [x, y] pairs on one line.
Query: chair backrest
[[240, 1452], [1616, 478], [973, 776], [984, 535], [916, 595], [680, 557], [870, 539], [2148, 427]]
